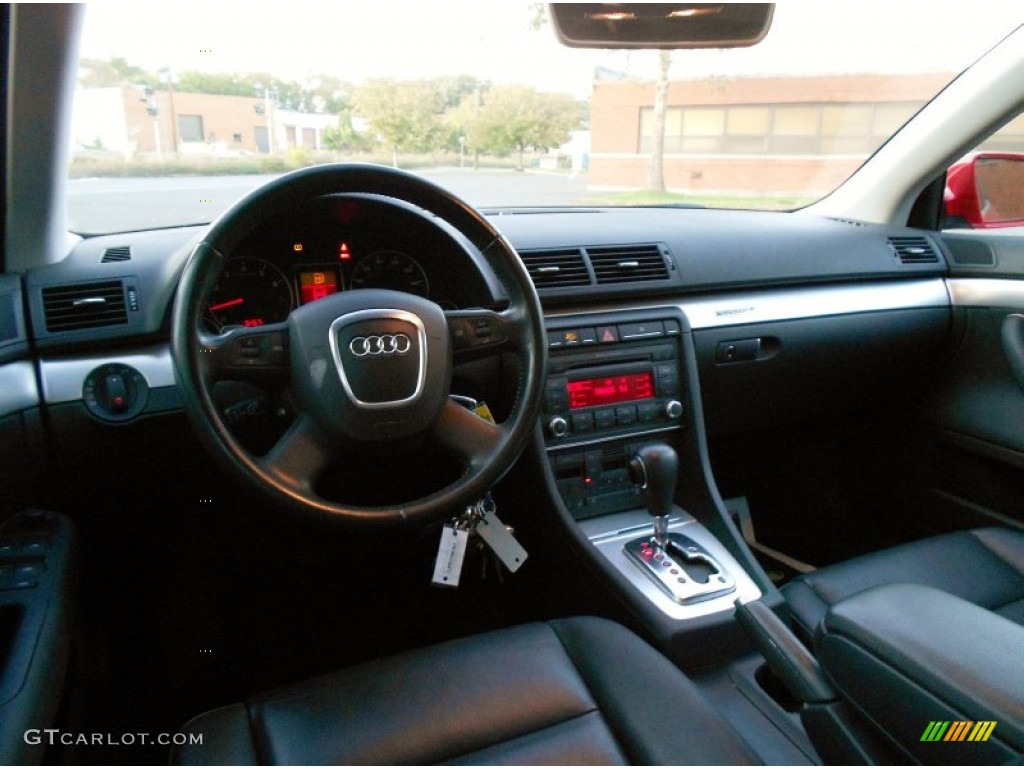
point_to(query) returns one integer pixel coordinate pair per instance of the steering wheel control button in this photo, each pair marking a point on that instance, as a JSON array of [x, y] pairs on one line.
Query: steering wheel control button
[[381, 356], [115, 392], [472, 332], [260, 350]]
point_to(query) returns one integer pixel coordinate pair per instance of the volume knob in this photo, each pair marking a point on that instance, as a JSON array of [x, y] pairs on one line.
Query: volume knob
[[673, 409], [558, 427]]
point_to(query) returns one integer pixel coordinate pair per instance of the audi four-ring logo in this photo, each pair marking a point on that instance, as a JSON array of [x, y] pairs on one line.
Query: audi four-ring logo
[[389, 344]]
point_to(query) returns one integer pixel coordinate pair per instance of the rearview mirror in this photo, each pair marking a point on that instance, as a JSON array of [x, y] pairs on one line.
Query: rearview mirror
[[985, 190], [661, 25]]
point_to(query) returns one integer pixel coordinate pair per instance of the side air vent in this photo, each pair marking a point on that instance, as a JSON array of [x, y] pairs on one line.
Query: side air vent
[[628, 264], [117, 253], [85, 305], [561, 268], [914, 250]]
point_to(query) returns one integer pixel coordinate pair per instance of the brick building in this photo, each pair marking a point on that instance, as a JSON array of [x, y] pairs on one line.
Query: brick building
[[133, 122], [763, 135]]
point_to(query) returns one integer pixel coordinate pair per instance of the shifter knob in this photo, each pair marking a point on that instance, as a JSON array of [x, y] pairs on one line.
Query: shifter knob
[[654, 468]]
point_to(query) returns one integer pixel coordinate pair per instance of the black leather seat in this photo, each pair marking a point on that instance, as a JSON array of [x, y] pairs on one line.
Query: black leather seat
[[572, 691], [983, 566]]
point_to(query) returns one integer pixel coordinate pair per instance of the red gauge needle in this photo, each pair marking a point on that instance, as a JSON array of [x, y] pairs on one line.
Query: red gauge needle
[[226, 304]]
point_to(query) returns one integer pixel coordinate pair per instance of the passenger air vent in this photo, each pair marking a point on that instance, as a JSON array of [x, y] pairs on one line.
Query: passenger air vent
[[85, 305], [628, 264], [562, 268], [117, 253], [914, 250]]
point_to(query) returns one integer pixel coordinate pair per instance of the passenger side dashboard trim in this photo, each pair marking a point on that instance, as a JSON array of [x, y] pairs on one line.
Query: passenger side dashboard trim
[[807, 303], [744, 308], [986, 292]]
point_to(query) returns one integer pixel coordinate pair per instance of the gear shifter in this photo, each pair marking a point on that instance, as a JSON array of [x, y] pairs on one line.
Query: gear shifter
[[676, 563], [654, 469]]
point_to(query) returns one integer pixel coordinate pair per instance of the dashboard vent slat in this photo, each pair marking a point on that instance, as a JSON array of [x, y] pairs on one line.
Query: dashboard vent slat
[[914, 250], [558, 268], [84, 305], [628, 264], [116, 253]]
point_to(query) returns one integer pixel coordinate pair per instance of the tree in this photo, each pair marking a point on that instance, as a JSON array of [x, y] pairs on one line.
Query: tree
[[454, 89], [517, 118], [329, 94], [220, 83], [343, 137], [406, 115], [95, 73], [656, 180]]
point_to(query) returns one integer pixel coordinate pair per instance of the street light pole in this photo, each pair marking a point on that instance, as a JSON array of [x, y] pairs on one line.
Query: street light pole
[[270, 123], [154, 112], [169, 79]]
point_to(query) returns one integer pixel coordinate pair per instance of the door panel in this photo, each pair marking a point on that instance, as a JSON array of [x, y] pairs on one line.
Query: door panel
[[976, 467]]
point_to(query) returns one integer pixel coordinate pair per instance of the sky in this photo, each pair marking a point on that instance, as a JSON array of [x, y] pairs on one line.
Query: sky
[[493, 40]]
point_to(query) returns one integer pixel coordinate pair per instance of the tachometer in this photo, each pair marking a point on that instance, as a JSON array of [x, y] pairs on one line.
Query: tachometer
[[249, 292], [393, 270]]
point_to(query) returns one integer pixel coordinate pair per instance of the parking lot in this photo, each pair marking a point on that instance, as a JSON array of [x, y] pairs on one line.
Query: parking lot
[[97, 205]]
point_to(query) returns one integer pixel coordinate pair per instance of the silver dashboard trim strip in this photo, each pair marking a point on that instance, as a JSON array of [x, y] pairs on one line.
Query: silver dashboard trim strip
[[819, 301], [63, 378], [18, 390], [986, 292], [773, 305]]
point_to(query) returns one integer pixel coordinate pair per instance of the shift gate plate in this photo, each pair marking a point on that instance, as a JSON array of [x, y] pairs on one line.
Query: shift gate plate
[[672, 568]]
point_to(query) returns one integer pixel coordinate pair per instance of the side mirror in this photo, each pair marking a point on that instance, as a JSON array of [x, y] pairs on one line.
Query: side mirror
[[985, 190]]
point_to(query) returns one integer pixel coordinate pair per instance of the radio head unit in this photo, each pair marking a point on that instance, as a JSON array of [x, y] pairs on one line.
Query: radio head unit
[[612, 379]]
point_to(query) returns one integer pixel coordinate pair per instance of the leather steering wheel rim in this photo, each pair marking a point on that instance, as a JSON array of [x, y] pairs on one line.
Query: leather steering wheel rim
[[487, 451]]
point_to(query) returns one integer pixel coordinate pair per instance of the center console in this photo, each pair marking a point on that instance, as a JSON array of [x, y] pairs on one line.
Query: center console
[[621, 386], [611, 387]]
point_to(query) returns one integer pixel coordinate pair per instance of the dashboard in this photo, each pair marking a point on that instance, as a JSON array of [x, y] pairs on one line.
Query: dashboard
[[786, 293]]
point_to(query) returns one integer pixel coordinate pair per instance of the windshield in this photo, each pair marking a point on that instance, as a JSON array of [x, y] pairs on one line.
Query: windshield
[[181, 109]]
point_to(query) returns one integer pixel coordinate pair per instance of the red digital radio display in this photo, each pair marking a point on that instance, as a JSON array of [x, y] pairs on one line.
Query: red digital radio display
[[606, 390]]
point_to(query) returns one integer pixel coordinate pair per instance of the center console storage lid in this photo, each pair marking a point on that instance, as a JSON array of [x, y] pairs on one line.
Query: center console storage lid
[[912, 657]]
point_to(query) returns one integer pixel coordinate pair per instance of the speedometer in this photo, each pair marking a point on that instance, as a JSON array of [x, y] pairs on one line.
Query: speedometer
[[249, 292], [393, 270]]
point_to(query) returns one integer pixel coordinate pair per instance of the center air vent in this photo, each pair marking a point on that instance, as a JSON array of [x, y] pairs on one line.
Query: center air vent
[[117, 253], [85, 305], [914, 250], [560, 268], [628, 264]]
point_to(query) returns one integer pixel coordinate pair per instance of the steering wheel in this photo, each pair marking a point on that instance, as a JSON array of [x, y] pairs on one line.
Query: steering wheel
[[369, 370]]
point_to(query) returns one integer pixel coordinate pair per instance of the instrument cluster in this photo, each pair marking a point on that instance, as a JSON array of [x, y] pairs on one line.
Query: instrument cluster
[[279, 269]]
